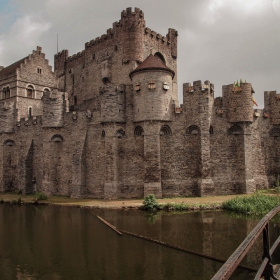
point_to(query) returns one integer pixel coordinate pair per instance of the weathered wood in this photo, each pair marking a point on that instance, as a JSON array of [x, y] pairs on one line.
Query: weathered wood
[[109, 225]]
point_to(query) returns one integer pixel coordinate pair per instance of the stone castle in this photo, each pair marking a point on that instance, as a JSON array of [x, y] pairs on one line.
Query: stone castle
[[107, 123]]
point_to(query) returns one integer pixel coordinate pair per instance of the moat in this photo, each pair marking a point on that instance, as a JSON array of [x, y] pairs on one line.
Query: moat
[[51, 242]]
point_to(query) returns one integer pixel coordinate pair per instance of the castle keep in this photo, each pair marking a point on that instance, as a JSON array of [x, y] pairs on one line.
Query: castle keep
[[107, 123]]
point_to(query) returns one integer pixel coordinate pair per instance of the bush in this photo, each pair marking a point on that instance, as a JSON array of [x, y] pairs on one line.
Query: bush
[[256, 204], [175, 206], [40, 196], [150, 203]]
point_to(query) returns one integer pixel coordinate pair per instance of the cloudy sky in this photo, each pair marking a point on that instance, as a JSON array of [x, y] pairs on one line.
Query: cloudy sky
[[219, 40]]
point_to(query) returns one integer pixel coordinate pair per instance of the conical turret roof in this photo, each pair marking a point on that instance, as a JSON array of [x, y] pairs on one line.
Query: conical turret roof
[[152, 63]]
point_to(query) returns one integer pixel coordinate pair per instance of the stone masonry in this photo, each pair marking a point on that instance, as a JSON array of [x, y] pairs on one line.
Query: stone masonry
[[107, 123]]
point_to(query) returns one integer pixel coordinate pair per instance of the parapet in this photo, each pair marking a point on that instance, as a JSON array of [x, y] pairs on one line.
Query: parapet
[[198, 86]]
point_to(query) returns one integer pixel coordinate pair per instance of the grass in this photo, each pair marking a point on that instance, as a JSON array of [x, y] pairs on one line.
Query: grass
[[256, 204]]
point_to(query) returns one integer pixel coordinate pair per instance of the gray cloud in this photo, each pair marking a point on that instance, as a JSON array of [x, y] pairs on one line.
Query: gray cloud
[[219, 40]]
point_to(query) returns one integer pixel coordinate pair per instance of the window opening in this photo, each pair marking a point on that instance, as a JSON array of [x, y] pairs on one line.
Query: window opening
[[29, 111], [30, 90]]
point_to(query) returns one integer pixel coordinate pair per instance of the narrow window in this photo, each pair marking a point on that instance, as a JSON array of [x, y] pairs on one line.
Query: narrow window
[[39, 70], [8, 92], [29, 111], [75, 100], [29, 91], [4, 92]]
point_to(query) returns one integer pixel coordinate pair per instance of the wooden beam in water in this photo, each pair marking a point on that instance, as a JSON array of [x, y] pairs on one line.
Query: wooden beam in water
[[109, 225]]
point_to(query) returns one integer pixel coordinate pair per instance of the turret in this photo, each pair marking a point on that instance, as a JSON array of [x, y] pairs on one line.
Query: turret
[[59, 61], [133, 25], [172, 38], [152, 82], [198, 99], [272, 106], [238, 102]]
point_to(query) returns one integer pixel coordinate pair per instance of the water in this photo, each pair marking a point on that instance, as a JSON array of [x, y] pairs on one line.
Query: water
[[50, 242]]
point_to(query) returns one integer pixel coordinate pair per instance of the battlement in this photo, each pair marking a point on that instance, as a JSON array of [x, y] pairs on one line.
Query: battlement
[[198, 86], [128, 12], [157, 36], [76, 56], [31, 120]]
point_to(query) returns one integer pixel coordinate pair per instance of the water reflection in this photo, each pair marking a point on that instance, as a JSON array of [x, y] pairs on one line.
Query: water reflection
[[50, 242]]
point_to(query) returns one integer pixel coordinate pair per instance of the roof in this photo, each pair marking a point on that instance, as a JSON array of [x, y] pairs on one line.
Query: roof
[[11, 68], [152, 63]]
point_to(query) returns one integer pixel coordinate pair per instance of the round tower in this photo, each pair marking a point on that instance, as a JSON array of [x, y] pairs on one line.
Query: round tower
[[152, 82], [133, 25], [239, 102]]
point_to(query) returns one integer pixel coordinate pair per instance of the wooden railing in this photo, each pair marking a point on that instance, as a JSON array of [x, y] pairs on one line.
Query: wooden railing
[[266, 268]]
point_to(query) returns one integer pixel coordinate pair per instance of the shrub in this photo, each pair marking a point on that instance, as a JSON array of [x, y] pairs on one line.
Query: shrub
[[150, 203], [175, 206], [40, 196], [256, 204]]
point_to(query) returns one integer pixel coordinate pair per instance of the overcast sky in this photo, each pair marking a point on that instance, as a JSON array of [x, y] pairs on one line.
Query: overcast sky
[[219, 40]]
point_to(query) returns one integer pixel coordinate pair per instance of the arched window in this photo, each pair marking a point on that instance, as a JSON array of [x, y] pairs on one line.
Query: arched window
[[235, 130], [29, 111], [193, 130], [46, 90], [103, 133], [159, 56], [9, 143], [30, 91], [8, 92], [120, 133], [138, 131], [211, 130], [4, 92], [57, 138], [165, 130]]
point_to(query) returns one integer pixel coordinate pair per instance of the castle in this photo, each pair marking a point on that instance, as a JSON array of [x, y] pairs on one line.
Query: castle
[[107, 123]]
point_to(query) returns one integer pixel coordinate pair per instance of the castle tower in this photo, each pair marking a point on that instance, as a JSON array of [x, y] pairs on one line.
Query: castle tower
[[198, 104], [152, 82], [238, 103], [133, 25]]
